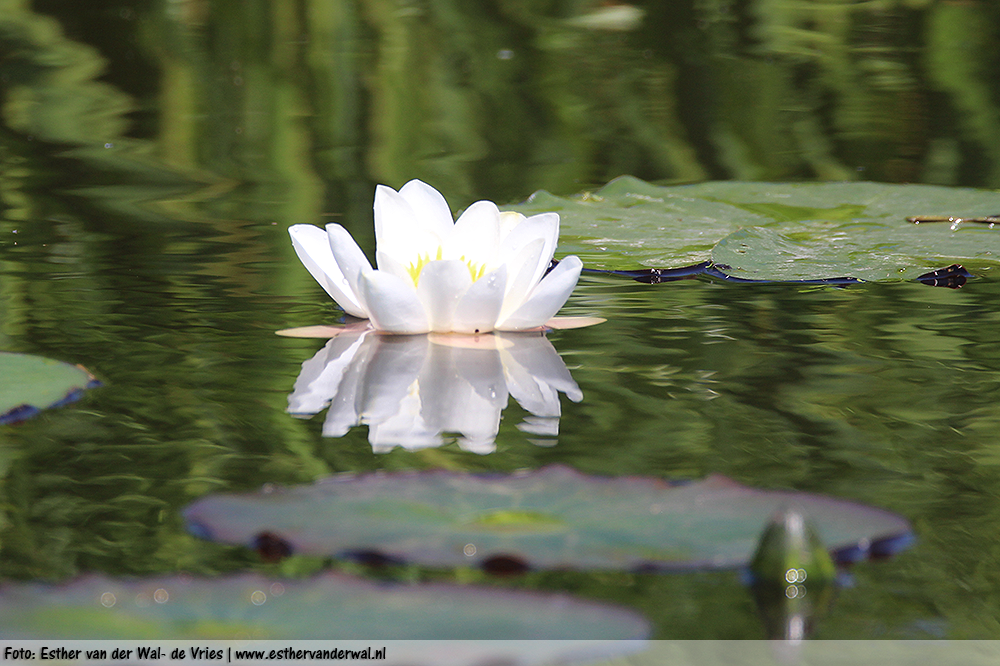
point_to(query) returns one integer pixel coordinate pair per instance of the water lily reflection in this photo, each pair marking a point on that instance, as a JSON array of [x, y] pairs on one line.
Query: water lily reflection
[[414, 391]]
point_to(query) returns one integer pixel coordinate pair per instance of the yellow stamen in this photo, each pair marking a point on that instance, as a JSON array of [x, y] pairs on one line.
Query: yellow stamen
[[475, 270], [422, 260], [414, 269]]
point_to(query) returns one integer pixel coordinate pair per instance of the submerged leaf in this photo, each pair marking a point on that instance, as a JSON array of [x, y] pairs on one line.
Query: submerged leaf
[[550, 518], [325, 607]]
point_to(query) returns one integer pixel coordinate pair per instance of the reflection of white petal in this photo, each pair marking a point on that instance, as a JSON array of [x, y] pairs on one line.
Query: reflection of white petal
[[342, 414], [477, 420], [540, 425], [482, 372], [546, 299], [463, 391], [526, 385], [321, 376], [406, 428], [312, 245], [395, 307], [530, 359], [391, 368], [441, 285], [478, 446], [412, 392], [479, 307], [536, 397]]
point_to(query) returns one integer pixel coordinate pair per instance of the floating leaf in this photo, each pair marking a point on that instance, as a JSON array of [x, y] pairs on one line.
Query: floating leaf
[[778, 231], [329, 606], [550, 518], [33, 383]]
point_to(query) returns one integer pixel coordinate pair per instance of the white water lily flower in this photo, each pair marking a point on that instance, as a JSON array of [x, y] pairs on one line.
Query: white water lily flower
[[483, 272]]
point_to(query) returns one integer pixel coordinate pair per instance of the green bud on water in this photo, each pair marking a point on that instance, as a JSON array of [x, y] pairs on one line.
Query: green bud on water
[[793, 576]]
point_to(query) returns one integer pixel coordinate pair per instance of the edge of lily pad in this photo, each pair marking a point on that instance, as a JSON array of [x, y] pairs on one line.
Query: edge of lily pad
[[26, 411]]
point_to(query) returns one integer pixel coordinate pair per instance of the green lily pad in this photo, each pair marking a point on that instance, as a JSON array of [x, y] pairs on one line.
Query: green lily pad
[[554, 517], [777, 231], [33, 383], [325, 607]]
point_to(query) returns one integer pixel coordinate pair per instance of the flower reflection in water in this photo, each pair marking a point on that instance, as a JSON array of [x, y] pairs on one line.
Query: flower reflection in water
[[415, 390]]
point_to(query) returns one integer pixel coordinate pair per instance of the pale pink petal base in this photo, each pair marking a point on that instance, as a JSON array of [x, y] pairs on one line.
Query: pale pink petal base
[[568, 323], [473, 341]]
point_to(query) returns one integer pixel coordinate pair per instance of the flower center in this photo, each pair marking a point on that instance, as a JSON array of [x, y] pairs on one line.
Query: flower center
[[475, 270], [416, 267]]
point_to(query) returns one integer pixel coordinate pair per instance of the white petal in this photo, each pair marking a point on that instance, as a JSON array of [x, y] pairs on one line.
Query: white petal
[[390, 265], [431, 208], [524, 267], [350, 259], [393, 304], [399, 231], [546, 299], [441, 285], [509, 219], [476, 236], [544, 228], [477, 311], [312, 245]]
